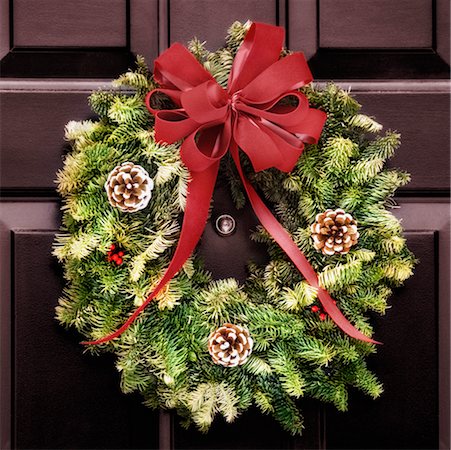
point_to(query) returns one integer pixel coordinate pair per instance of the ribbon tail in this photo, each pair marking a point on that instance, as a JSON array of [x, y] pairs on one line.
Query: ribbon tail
[[337, 316], [200, 191], [282, 237]]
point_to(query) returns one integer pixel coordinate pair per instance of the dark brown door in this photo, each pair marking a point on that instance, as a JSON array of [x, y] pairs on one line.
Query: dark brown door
[[395, 57]]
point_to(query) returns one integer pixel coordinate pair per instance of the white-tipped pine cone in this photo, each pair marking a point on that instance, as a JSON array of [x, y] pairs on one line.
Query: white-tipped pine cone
[[334, 232], [230, 345], [129, 187]]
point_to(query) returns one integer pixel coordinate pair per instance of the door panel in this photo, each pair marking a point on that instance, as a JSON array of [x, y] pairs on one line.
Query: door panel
[[413, 411], [379, 24], [407, 364], [28, 163], [81, 24], [380, 39], [395, 58], [419, 111], [53, 378], [83, 39], [60, 397], [15, 215]]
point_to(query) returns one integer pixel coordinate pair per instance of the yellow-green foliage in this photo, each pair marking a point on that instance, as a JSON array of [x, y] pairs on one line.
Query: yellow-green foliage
[[164, 353]]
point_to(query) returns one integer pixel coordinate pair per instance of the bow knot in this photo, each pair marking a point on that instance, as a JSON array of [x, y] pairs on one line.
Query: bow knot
[[233, 100]]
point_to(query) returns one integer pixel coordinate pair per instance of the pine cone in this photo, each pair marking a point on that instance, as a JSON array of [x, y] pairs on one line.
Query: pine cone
[[334, 232], [230, 345], [129, 187]]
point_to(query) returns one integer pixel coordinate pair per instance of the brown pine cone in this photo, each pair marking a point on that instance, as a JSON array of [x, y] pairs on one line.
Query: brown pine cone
[[334, 232], [230, 345], [129, 187]]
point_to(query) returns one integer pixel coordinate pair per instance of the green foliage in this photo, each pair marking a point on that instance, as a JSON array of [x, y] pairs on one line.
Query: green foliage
[[164, 353]]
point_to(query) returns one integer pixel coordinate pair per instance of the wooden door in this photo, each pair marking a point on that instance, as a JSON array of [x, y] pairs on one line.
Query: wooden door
[[394, 55]]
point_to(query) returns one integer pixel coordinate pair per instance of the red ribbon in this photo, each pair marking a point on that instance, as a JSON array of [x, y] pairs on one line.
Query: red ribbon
[[250, 116]]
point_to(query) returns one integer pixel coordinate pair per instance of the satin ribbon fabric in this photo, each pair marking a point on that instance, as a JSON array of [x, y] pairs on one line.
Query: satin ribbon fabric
[[261, 113]]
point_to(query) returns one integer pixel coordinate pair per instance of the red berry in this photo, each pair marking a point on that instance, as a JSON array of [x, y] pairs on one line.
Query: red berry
[[315, 309], [114, 257], [121, 253], [112, 247], [322, 316], [119, 261]]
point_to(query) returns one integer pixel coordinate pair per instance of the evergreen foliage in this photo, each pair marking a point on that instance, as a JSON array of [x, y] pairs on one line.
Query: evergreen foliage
[[164, 353]]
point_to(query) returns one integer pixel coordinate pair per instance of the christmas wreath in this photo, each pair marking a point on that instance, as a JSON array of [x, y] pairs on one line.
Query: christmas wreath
[[298, 326]]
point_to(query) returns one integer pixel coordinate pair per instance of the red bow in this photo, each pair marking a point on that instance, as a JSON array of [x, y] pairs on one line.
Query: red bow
[[250, 115]]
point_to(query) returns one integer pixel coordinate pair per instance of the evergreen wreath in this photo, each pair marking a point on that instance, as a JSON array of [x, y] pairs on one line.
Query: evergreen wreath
[[214, 346]]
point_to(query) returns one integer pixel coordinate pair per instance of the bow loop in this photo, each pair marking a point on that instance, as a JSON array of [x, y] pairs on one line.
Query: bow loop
[[252, 138], [206, 146], [167, 69], [261, 48], [284, 75], [288, 110]]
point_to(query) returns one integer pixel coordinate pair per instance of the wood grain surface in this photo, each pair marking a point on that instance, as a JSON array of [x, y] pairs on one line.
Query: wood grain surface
[[394, 56]]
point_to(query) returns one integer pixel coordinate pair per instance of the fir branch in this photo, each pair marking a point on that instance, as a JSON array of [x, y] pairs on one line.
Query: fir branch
[[164, 354]]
